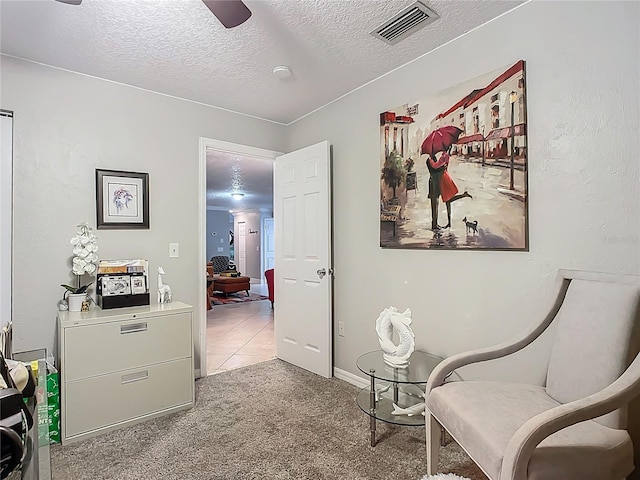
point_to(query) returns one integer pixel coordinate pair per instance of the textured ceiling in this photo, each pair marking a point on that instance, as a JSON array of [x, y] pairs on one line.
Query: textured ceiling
[[228, 173], [179, 48]]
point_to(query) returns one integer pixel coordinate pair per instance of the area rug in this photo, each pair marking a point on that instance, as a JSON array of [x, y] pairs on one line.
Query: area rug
[[269, 421], [238, 297]]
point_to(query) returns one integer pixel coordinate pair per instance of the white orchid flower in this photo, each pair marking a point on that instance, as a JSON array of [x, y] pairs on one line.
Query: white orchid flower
[[84, 251]]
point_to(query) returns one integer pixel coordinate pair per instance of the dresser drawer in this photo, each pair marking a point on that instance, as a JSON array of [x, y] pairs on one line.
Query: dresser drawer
[[102, 348], [102, 401]]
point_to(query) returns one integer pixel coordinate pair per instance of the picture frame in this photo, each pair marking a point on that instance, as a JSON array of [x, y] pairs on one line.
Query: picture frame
[[122, 199], [466, 144], [116, 285], [138, 284]]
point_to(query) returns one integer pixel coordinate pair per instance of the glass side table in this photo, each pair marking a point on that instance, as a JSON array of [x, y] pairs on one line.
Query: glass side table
[[405, 385]]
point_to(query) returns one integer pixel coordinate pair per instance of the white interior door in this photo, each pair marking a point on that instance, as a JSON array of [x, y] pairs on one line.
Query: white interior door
[[302, 216], [242, 248], [269, 245]]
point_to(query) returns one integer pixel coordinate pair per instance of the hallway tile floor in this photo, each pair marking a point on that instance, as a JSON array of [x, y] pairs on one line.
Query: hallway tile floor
[[240, 334]]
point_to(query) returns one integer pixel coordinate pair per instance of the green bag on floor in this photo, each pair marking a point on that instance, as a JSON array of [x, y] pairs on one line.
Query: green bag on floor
[[53, 404]]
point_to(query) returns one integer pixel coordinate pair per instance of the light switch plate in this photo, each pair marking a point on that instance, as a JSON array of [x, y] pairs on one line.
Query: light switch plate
[[174, 250]]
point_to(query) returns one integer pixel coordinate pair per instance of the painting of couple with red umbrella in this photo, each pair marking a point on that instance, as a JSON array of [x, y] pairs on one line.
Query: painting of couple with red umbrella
[[454, 167]]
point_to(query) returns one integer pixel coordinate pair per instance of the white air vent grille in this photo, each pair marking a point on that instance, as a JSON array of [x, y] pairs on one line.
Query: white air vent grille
[[406, 22]]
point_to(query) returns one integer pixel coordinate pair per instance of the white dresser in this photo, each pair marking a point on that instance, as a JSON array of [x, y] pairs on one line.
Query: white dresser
[[122, 366]]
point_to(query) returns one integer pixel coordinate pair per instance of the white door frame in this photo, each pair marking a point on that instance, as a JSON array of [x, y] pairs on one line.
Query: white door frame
[[201, 309], [6, 217]]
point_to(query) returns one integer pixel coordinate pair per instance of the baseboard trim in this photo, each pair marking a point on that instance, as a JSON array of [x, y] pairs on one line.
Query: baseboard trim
[[350, 378]]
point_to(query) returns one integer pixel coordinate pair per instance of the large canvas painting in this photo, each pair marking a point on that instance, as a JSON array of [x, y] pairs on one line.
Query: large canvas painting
[[454, 167]]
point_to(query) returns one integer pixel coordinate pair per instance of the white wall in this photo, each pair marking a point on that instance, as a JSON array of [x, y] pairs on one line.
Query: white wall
[[218, 223], [582, 64], [65, 126], [582, 85]]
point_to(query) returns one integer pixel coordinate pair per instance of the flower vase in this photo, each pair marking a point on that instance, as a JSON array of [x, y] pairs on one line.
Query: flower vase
[[75, 301]]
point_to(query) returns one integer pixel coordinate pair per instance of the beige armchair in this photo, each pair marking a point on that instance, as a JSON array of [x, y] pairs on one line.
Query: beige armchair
[[572, 428]]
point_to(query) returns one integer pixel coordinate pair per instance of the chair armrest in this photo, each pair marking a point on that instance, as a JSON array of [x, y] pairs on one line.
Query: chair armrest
[[450, 364], [535, 430]]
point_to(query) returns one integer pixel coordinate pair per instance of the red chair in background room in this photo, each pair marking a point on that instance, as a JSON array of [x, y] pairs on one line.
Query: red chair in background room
[[268, 274]]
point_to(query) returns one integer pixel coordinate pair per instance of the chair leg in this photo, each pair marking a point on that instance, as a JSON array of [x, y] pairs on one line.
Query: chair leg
[[433, 443]]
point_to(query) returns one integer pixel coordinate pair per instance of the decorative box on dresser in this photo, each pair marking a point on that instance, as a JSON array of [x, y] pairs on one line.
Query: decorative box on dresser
[[123, 366]]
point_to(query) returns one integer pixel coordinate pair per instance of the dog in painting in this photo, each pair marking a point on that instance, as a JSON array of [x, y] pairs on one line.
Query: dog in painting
[[471, 226]]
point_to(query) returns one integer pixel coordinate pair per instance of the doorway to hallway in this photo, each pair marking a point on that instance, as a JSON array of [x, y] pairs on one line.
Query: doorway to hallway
[[237, 179]]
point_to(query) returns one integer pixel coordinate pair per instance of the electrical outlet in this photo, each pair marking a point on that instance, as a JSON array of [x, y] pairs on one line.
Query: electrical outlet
[[174, 250], [341, 329]]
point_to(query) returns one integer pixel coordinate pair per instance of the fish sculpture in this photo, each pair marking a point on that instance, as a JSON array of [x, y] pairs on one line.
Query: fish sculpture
[[417, 409], [413, 390], [380, 391], [391, 320]]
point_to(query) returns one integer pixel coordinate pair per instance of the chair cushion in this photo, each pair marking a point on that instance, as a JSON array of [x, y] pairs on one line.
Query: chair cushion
[[483, 416], [602, 316], [220, 263]]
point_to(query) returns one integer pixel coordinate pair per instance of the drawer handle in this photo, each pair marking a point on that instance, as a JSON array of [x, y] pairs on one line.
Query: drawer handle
[[133, 328], [134, 377]]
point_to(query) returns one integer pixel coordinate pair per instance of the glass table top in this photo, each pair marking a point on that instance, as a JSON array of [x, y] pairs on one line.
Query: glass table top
[[421, 364]]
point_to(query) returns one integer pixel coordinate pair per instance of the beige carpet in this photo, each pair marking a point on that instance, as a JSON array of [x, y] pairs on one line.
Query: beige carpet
[[443, 476], [266, 421]]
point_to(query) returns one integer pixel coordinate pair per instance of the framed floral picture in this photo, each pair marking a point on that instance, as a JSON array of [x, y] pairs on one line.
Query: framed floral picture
[[122, 199]]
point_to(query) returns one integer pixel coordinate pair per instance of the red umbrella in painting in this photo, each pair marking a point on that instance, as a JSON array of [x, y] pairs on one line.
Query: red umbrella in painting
[[440, 139]]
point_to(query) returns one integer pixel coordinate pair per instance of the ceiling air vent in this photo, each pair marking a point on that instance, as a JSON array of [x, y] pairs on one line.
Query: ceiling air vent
[[406, 22]]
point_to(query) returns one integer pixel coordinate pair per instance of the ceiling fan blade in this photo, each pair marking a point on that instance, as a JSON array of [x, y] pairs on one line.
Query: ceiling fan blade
[[231, 13], [70, 2]]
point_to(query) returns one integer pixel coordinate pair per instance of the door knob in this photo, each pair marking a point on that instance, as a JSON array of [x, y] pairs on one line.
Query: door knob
[[323, 271]]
